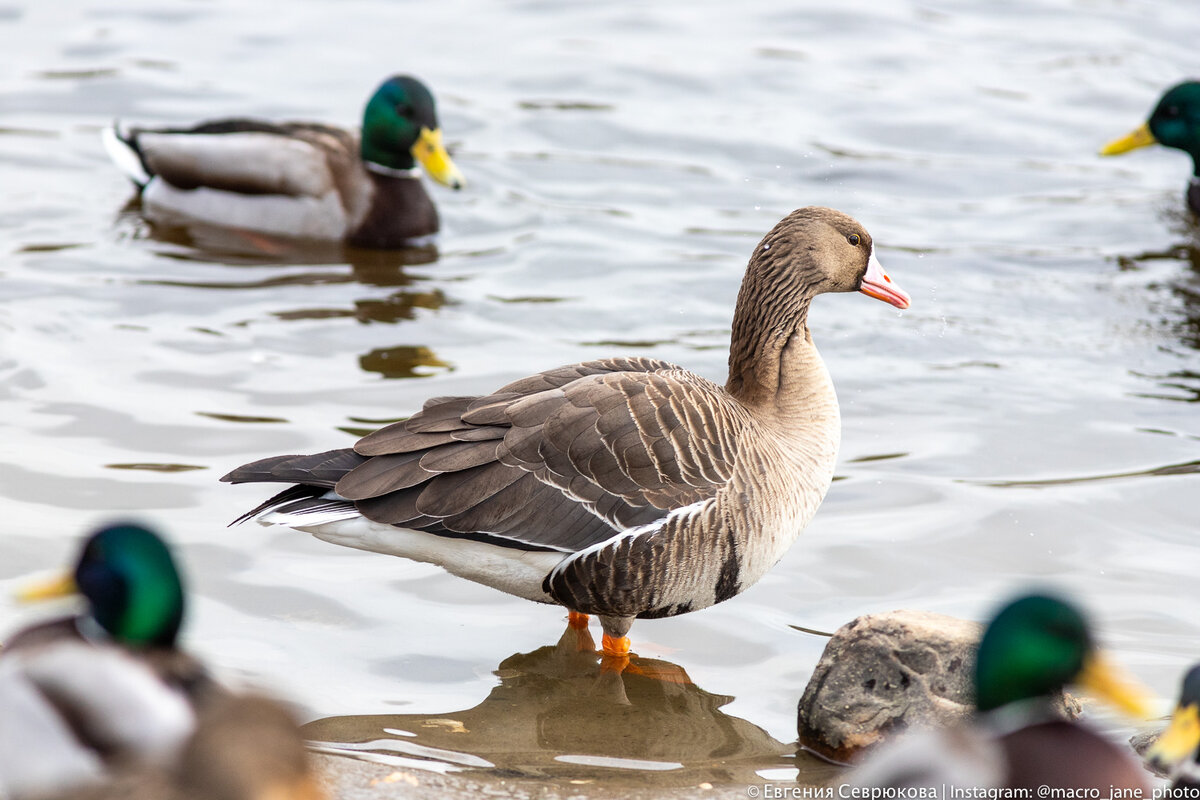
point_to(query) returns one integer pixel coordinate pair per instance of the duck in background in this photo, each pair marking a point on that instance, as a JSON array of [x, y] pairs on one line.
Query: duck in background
[[106, 695], [1033, 648], [1175, 122], [302, 180], [1177, 751]]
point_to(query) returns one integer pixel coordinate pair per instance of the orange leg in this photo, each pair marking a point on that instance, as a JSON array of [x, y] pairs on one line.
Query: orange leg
[[577, 620], [615, 646]]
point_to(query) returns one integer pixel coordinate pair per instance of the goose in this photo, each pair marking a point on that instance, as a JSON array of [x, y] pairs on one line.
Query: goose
[[1035, 645], [1177, 751], [623, 487], [1175, 123], [298, 179]]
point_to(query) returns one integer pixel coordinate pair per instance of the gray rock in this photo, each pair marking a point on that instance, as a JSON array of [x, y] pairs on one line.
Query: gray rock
[[882, 674], [1142, 742]]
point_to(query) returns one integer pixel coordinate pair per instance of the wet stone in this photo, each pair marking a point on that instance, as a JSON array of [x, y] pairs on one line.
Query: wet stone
[[1141, 743], [882, 674]]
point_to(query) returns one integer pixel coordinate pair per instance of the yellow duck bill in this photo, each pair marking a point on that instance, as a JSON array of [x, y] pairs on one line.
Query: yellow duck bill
[[49, 588], [1142, 137], [432, 154], [1106, 681]]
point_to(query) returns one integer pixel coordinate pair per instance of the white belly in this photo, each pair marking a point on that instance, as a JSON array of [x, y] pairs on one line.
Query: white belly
[[513, 571]]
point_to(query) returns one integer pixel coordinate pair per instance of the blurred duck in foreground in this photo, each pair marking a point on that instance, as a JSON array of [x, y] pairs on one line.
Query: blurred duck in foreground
[[1177, 751], [106, 694], [298, 179], [1033, 648], [245, 747], [134, 604], [621, 487], [1175, 122]]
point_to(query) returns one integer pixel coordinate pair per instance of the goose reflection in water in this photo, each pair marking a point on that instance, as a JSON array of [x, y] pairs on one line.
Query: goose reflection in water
[[557, 713]]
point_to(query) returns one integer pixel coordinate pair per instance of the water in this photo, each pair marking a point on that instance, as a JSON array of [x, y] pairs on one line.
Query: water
[[1031, 418]]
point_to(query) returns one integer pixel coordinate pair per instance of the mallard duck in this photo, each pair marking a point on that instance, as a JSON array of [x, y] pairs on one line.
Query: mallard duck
[[135, 600], [1177, 751], [1033, 648], [623, 487], [1175, 122], [72, 714], [244, 747], [106, 686], [298, 179]]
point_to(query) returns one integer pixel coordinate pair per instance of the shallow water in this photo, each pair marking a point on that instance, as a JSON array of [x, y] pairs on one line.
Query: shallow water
[[1032, 418]]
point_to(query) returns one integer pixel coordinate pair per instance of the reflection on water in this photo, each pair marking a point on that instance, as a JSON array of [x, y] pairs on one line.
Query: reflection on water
[[1182, 386], [393, 308], [1184, 290], [371, 268], [404, 361], [558, 713], [147, 466], [1187, 291], [192, 241], [1186, 468]]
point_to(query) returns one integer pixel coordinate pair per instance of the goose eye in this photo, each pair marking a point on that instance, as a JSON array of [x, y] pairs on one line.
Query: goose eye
[[853, 239]]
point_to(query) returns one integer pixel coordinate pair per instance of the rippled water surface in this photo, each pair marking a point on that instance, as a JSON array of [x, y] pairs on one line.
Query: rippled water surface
[[1033, 417]]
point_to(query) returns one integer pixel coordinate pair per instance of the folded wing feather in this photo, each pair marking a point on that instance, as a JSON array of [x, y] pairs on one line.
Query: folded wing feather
[[560, 460]]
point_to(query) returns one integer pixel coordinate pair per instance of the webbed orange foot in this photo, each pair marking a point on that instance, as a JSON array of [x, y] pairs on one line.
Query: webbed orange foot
[[615, 646]]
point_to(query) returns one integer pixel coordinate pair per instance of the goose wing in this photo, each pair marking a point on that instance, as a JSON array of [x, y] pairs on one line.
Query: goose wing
[[561, 460]]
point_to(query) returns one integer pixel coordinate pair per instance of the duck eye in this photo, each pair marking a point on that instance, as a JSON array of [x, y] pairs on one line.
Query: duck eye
[[853, 239], [404, 110], [1173, 111]]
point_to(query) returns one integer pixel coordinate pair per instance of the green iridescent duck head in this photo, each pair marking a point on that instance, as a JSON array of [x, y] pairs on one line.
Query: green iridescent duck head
[[1036, 645], [1175, 123], [130, 581], [400, 127], [1181, 739]]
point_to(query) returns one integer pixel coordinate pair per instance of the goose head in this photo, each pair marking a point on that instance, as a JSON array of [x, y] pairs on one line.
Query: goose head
[[815, 250]]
